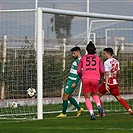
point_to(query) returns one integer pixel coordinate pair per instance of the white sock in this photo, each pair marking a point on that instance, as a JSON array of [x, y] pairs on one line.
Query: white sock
[[91, 112], [98, 104]]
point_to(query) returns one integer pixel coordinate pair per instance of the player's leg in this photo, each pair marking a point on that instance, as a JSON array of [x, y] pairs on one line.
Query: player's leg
[[76, 105], [100, 95], [86, 87], [97, 102], [66, 95], [89, 105], [94, 89], [124, 104], [74, 102], [115, 92], [101, 91], [64, 105], [70, 90]]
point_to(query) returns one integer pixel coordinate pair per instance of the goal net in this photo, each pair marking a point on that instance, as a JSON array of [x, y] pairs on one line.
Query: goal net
[[118, 35], [30, 43], [108, 31], [18, 69]]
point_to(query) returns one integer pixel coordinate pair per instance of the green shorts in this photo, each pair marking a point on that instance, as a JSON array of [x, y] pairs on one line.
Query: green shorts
[[68, 89]]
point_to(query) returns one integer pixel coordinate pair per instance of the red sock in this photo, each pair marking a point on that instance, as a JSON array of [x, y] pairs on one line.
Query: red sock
[[101, 102], [124, 103]]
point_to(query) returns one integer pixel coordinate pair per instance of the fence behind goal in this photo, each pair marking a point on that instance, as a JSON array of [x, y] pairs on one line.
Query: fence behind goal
[[57, 33]]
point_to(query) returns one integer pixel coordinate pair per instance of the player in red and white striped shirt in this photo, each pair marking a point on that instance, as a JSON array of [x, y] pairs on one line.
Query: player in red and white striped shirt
[[110, 83]]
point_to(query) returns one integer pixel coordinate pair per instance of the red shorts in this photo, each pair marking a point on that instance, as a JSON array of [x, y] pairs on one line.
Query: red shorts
[[113, 89], [89, 85]]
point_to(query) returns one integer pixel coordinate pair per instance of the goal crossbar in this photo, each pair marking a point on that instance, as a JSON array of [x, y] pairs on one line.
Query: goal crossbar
[[85, 14]]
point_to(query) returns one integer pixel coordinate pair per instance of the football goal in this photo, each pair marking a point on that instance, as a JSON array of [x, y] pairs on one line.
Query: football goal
[[35, 57]]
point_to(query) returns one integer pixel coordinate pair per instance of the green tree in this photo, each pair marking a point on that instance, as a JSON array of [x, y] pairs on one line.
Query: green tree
[[61, 24]]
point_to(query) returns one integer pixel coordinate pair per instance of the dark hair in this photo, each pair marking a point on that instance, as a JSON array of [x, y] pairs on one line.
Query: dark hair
[[91, 49], [75, 49], [108, 50]]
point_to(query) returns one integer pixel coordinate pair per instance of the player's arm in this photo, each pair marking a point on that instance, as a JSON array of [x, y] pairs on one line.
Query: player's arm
[[118, 72], [107, 80], [76, 81], [73, 85], [106, 74], [106, 77], [79, 69]]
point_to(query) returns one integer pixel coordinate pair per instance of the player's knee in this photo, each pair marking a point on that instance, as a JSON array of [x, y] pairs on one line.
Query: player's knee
[[65, 96]]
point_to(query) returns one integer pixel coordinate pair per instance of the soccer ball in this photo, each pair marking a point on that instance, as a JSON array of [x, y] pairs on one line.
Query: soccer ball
[[14, 104], [31, 92]]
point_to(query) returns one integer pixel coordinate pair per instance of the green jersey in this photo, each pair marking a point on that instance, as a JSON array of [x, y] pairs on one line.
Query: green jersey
[[72, 78], [73, 72]]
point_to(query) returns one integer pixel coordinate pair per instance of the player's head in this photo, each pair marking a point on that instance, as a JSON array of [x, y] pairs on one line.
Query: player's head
[[108, 52], [91, 49], [76, 52]]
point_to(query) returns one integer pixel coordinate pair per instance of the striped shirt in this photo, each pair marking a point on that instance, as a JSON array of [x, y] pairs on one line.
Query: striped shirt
[[112, 66], [73, 75]]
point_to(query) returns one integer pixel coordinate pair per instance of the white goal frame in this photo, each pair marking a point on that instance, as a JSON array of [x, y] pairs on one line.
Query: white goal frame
[[39, 43], [41, 10]]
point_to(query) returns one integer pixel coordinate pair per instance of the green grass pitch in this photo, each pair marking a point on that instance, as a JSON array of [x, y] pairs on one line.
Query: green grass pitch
[[119, 122]]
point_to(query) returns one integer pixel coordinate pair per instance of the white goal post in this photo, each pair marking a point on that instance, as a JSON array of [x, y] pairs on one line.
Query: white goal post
[[39, 65]]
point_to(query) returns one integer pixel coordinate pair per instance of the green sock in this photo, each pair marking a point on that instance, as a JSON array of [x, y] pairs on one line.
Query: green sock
[[73, 101], [64, 106]]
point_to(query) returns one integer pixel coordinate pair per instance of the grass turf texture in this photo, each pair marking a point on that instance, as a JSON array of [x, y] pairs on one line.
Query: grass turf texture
[[113, 122]]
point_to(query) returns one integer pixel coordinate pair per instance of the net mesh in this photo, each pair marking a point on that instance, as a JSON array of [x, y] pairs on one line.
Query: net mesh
[[18, 64]]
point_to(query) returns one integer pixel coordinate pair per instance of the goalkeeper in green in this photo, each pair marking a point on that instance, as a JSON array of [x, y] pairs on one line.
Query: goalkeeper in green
[[71, 84]]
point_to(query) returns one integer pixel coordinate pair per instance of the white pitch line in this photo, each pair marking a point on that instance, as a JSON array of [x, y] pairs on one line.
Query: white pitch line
[[68, 128]]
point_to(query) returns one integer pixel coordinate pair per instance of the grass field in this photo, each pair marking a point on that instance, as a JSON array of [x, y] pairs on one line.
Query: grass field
[[112, 123]]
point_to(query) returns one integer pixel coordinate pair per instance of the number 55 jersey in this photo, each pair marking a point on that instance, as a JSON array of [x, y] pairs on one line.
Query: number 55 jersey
[[90, 67]]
